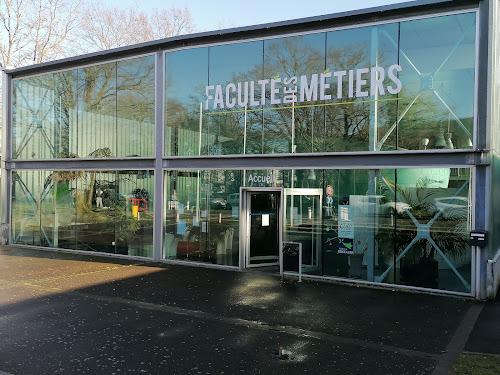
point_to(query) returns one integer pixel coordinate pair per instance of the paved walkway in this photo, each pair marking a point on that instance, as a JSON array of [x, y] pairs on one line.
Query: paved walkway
[[69, 314], [485, 337]]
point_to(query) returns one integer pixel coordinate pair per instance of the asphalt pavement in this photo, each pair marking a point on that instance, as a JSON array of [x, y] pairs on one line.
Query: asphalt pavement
[[67, 313], [485, 336]]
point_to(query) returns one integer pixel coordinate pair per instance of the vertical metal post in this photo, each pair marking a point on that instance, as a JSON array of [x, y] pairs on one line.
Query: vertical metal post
[[159, 150], [300, 262], [6, 154], [281, 228], [293, 127], [292, 183], [245, 146], [482, 138], [374, 105], [242, 224], [371, 227], [199, 172], [371, 253], [481, 222]]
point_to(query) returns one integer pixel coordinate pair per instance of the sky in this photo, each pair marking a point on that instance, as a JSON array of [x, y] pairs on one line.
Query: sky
[[216, 14]]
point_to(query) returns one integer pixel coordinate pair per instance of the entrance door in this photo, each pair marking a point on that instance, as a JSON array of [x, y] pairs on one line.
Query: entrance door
[[263, 228]]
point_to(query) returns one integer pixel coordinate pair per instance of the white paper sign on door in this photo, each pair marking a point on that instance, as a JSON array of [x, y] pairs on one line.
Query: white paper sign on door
[[265, 220]]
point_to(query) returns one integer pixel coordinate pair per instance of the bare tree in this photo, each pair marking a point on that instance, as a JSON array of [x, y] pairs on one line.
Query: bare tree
[[170, 22], [34, 31], [104, 27], [53, 23], [109, 27], [225, 23], [13, 34]]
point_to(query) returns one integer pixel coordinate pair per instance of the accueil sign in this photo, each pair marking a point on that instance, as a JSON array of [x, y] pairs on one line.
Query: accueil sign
[[360, 83], [261, 179]]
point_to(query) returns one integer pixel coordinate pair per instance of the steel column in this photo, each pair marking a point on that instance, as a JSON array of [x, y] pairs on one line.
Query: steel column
[[5, 174], [159, 148]]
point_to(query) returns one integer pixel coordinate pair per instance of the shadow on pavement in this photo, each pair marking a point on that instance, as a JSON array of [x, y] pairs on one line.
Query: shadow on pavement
[[83, 314]]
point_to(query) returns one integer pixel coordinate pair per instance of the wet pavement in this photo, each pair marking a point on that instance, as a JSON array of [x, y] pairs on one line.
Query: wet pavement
[[68, 314]]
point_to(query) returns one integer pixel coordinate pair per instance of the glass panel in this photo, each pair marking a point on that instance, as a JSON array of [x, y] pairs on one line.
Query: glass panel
[[303, 214], [58, 209], [97, 111], [202, 216], [224, 216], [186, 78], [106, 220], [438, 60], [95, 210], [264, 232], [43, 209], [95, 226], [66, 114], [100, 111], [235, 70], [344, 90], [26, 189], [135, 110], [134, 212], [100, 206], [44, 116], [186, 223], [303, 222], [357, 231], [362, 110], [298, 125], [303, 178], [432, 221]]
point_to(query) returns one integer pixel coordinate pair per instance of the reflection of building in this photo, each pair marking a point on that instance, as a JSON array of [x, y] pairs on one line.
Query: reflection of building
[[391, 108]]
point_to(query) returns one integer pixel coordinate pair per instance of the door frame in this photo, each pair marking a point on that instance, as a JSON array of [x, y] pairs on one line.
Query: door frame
[[245, 225]]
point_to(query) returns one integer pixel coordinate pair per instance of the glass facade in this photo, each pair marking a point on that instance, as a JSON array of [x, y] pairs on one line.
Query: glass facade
[[406, 226], [99, 111], [84, 210], [400, 86], [389, 89]]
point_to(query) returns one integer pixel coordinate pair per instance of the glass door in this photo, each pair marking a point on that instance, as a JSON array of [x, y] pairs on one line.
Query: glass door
[[263, 228], [303, 220]]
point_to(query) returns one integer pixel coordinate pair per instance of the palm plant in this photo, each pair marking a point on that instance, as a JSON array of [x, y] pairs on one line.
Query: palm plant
[[426, 223]]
